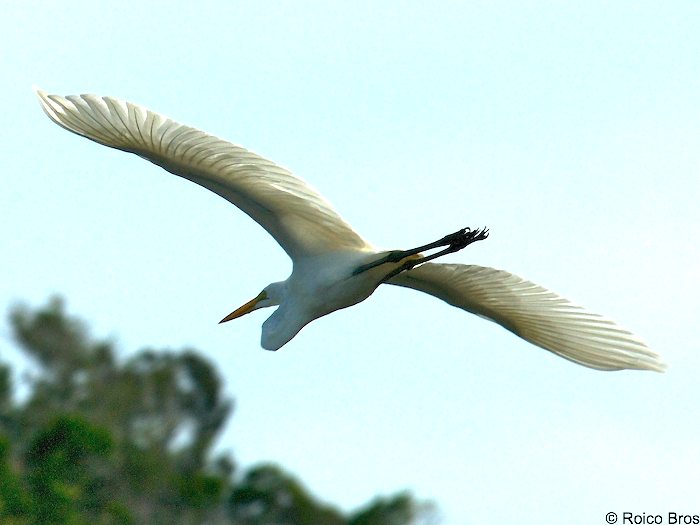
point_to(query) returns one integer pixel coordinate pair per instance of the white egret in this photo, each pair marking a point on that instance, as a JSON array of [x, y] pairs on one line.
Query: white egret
[[333, 266]]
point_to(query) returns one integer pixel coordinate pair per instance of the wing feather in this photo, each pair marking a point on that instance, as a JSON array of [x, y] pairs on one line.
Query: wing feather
[[534, 313], [297, 216]]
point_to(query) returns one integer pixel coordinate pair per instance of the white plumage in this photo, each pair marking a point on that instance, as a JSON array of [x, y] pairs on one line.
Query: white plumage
[[334, 267]]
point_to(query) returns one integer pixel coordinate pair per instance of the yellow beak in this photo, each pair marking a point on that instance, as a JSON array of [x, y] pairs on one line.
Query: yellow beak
[[245, 309]]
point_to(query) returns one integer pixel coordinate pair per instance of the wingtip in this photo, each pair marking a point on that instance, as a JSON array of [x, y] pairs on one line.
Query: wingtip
[[45, 101], [659, 367], [651, 363], [38, 91]]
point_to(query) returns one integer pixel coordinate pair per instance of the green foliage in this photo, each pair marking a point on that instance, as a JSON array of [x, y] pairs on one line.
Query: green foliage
[[268, 496], [201, 490], [14, 502], [103, 442], [63, 445], [60, 477], [397, 510]]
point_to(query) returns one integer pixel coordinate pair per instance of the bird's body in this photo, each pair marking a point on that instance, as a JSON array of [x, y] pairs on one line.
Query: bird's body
[[333, 266], [318, 286]]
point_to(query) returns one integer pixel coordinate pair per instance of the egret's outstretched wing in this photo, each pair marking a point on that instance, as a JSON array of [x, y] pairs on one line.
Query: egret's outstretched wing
[[300, 219], [534, 313]]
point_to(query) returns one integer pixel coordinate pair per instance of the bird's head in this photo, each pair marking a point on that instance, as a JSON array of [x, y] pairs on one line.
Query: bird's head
[[271, 295], [283, 324]]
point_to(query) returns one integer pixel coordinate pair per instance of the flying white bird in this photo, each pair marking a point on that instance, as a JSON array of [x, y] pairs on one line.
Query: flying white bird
[[333, 266]]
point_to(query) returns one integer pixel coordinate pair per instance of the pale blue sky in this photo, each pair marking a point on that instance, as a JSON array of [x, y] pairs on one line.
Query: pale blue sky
[[570, 129]]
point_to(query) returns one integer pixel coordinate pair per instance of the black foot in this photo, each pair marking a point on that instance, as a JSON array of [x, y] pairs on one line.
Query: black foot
[[464, 237]]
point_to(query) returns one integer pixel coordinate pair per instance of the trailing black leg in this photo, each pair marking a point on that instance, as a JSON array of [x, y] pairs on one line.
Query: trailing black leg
[[453, 242]]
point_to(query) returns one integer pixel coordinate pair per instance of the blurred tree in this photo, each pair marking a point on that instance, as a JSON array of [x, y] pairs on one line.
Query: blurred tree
[[268, 496], [14, 503], [103, 442], [397, 510], [65, 475]]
